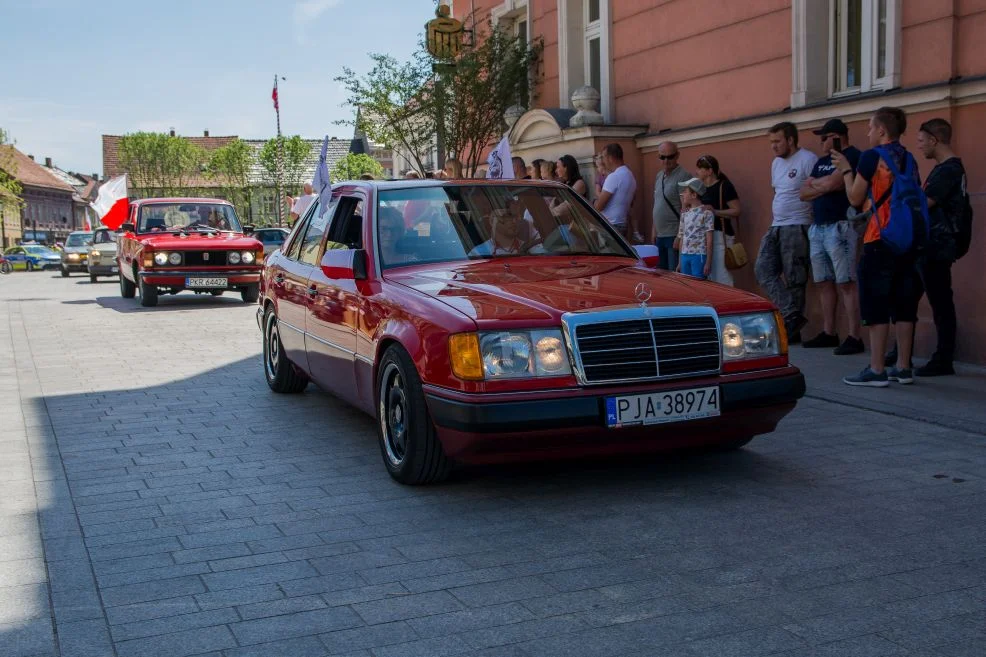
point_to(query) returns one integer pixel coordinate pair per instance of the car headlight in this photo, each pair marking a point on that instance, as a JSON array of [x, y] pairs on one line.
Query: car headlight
[[751, 336], [161, 258], [509, 354], [247, 257], [233, 258], [94, 255], [73, 256], [175, 258]]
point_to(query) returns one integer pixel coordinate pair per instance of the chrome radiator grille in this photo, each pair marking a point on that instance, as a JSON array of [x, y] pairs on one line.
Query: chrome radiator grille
[[651, 348]]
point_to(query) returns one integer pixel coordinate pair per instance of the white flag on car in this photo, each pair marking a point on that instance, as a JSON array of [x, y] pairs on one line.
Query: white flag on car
[[321, 183], [500, 163]]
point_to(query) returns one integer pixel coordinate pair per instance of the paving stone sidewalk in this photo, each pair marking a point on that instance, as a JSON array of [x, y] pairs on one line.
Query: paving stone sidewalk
[[159, 500]]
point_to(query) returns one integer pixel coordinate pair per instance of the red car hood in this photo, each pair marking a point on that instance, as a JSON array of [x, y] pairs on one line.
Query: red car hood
[[204, 241], [540, 289]]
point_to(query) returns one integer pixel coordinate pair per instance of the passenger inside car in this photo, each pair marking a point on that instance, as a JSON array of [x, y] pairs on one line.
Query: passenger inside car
[[390, 225]]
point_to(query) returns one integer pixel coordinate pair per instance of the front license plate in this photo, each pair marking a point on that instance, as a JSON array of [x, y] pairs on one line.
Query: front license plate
[[662, 407], [205, 282], [114, 269]]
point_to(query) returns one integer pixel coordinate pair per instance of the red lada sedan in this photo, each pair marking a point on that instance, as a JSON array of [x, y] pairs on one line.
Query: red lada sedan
[[484, 321], [169, 245]]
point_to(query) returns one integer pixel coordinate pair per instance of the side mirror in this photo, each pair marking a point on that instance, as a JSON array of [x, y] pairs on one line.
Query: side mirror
[[128, 228], [649, 254], [89, 243], [344, 264], [248, 229]]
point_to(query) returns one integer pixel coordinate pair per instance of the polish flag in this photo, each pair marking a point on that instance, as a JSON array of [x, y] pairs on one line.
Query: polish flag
[[273, 96], [111, 204]]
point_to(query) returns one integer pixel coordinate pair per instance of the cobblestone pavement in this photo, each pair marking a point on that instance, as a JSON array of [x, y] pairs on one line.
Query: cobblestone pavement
[[157, 499]]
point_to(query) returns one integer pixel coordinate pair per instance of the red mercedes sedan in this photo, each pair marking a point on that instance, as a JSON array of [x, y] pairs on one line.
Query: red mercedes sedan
[[486, 321]]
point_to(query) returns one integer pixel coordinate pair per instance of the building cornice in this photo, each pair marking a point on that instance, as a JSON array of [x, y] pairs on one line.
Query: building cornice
[[920, 99]]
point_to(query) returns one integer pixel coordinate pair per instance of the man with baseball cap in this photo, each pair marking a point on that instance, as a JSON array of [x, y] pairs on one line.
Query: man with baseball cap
[[833, 241]]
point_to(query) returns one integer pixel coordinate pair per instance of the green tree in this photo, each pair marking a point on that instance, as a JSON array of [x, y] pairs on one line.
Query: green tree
[[296, 152], [355, 165], [472, 92], [158, 163], [10, 188], [393, 104], [229, 166]]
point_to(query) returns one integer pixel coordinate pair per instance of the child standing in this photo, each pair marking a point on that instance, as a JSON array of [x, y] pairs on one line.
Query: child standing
[[695, 230]]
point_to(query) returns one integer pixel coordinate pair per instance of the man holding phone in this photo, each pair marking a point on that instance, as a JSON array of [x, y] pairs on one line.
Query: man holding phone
[[833, 241]]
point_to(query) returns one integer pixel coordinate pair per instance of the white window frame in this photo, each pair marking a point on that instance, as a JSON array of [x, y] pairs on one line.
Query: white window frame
[[869, 47], [571, 53], [814, 49]]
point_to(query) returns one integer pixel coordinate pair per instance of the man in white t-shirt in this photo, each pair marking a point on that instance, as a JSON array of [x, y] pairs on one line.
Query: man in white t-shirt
[[616, 198], [303, 202], [782, 264]]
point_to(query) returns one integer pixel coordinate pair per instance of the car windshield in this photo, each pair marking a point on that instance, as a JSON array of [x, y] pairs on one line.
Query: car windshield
[[104, 237], [78, 239], [205, 217], [38, 250], [469, 222]]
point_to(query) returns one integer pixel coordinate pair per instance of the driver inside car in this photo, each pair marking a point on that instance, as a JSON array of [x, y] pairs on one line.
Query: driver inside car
[[390, 225]]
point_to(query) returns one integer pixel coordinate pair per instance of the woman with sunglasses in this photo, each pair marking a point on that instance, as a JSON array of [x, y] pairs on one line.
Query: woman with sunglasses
[[720, 197]]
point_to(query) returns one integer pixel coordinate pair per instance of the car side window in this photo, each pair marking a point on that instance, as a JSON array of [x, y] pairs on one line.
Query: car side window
[[299, 234], [346, 231], [319, 222]]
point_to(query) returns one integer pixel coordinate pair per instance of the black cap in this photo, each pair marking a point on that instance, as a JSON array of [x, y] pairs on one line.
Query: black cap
[[835, 126]]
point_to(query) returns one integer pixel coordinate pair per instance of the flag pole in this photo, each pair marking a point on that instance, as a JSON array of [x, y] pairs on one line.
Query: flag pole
[[280, 154]]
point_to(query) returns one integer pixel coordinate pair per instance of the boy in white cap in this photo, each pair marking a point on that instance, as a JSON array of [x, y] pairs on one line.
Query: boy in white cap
[[695, 230]]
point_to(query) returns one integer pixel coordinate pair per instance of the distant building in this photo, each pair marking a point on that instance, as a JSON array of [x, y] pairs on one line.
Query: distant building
[[47, 213]]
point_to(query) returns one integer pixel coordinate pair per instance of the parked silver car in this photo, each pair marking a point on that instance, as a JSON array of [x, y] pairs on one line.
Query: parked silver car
[[102, 254], [271, 238]]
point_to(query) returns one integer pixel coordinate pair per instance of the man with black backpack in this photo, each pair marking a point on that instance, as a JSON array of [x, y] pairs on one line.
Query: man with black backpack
[[887, 181], [949, 235]]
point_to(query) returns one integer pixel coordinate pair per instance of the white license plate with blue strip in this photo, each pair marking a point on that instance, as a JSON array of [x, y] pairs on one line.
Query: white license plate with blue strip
[[662, 407]]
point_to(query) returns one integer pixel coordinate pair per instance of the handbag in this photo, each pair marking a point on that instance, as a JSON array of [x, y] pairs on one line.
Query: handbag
[[735, 253]]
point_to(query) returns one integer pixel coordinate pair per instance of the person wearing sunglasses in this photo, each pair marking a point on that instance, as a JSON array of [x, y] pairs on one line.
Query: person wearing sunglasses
[[667, 203]]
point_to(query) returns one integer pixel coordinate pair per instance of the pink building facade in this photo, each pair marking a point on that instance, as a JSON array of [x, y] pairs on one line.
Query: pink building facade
[[714, 75]]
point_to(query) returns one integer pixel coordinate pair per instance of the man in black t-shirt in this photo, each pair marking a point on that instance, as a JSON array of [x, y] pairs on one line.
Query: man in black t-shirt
[[945, 188], [833, 240]]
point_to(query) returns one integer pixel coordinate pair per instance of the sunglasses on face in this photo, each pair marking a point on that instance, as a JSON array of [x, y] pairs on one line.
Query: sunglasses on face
[[668, 157]]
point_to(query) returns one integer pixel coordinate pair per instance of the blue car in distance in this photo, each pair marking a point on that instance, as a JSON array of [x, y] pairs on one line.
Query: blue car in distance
[[32, 256]]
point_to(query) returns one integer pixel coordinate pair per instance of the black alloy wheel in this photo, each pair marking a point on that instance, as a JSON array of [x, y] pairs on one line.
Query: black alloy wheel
[[279, 372], [411, 450]]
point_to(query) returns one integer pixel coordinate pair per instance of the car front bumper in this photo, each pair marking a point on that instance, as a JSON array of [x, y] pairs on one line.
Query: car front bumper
[[235, 278], [572, 422], [109, 269], [75, 265]]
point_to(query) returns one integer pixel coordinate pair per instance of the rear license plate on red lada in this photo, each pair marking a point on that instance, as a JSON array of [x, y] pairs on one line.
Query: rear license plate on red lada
[[662, 407]]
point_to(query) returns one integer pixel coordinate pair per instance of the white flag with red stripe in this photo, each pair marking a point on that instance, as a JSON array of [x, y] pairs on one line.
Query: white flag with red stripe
[[111, 204]]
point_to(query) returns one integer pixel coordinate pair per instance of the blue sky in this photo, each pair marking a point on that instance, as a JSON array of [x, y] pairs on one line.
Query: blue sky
[[73, 71]]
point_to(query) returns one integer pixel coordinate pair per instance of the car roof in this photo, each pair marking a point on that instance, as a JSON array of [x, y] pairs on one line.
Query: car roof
[[180, 199], [405, 183], [80, 232]]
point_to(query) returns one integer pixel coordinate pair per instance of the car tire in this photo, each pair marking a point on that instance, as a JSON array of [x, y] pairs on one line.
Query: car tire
[[250, 293], [409, 444], [92, 278], [30, 266], [280, 373], [148, 295], [127, 289], [216, 293], [64, 272]]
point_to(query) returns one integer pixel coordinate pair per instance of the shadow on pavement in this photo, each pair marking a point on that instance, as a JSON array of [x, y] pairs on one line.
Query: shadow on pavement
[[167, 303]]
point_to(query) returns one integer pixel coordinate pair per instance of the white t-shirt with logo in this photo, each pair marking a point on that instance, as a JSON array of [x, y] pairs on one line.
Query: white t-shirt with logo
[[787, 175], [622, 185], [302, 203]]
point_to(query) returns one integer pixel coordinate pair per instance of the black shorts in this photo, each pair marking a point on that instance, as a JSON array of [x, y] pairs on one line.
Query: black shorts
[[888, 286]]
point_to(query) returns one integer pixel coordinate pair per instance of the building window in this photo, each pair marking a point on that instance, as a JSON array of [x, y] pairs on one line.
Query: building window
[[844, 47], [593, 44], [859, 45]]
